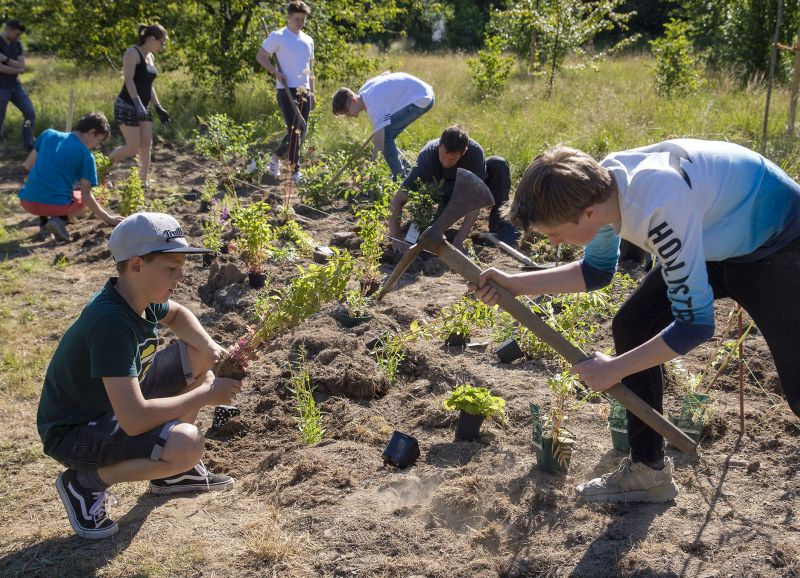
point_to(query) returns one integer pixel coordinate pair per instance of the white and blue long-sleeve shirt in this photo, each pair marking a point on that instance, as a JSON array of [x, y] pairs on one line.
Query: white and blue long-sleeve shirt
[[691, 201]]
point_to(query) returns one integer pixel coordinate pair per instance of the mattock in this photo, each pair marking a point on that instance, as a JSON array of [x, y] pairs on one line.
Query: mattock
[[470, 194]]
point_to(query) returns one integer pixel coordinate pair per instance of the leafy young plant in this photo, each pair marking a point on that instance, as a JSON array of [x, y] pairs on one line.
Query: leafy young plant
[[460, 317], [357, 303], [676, 68], [213, 229], [256, 235], [565, 387], [476, 401], [131, 194], [309, 416], [372, 229], [223, 139], [389, 352], [209, 190], [489, 72], [423, 203]]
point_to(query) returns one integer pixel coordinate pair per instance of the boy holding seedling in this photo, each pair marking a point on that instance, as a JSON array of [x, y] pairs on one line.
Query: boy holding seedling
[[437, 164], [58, 162], [294, 50], [113, 409], [723, 222], [393, 100]]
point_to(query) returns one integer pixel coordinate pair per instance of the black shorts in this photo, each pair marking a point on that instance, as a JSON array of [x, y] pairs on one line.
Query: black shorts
[[102, 442], [125, 113]]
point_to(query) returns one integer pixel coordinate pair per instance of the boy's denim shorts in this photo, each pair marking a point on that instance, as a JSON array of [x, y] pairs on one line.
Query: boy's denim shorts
[[102, 442]]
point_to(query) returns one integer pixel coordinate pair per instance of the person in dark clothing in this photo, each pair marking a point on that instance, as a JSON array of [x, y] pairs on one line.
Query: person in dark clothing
[[437, 164], [12, 64], [132, 106]]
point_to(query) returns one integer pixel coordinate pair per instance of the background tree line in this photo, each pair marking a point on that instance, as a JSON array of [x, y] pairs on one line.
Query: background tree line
[[215, 40]]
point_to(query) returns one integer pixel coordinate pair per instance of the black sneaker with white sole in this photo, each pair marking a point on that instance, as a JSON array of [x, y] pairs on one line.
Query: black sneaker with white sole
[[198, 479], [87, 510]]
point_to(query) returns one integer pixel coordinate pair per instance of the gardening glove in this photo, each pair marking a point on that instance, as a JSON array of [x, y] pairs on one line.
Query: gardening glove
[[163, 115], [141, 111]]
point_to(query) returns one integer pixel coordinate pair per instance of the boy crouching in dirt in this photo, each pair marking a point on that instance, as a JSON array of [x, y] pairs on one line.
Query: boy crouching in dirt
[[58, 162], [112, 408], [723, 222]]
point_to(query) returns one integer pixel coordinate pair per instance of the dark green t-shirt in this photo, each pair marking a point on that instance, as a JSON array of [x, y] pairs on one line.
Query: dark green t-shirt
[[108, 340]]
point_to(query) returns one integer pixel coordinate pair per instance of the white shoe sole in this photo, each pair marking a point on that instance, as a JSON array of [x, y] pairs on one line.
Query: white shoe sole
[[658, 495], [168, 490], [79, 530]]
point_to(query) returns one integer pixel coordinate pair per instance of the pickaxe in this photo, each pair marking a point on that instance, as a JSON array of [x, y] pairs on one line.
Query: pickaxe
[[470, 194]]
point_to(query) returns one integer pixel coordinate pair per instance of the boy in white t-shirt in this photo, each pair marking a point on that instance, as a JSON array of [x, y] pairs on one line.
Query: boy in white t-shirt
[[294, 50], [393, 100]]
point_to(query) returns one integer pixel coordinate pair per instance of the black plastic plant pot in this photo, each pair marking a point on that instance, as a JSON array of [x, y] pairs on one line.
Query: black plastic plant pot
[[469, 426], [456, 340], [208, 258], [349, 320], [256, 280], [225, 249], [401, 451], [191, 196], [223, 414], [509, 351], [205, 206]]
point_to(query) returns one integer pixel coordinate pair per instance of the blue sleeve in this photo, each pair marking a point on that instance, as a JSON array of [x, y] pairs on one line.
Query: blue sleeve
[[683, 337], [89, 169], [599, 261]]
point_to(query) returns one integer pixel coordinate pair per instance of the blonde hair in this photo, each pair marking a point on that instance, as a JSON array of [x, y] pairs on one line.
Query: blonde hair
[[557, 187]]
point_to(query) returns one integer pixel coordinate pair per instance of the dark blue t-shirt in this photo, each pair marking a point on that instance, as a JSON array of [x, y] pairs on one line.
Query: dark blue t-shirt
[[430, 170], [62, 161], [13, 50]]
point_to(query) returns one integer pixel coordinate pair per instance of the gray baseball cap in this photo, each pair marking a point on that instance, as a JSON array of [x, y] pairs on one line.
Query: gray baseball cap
[[143, 233]]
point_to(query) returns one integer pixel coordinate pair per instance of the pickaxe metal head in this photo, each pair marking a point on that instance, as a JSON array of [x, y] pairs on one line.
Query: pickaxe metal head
[[470, 193]]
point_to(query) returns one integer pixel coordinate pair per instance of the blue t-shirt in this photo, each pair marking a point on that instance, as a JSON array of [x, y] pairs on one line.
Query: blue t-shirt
[[62, 161]]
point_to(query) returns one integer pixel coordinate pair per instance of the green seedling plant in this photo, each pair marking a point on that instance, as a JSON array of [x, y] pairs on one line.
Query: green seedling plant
[[309, 416], [371, 180], [389, 352], [222, 139], [316, 188], [209, 190], [565, 387], [214, 229], [256, 236], [476, 401], [357, 303], [461, 317], [697, 408], [131, 194], [423, 203], [372, 230], [302, 297]]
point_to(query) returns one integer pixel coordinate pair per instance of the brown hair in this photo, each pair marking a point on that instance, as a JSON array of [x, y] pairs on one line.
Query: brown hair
[[122, 266], [298, 6], [341, 100], [155, 30], [96, 121], [454, 139], [557, 187]]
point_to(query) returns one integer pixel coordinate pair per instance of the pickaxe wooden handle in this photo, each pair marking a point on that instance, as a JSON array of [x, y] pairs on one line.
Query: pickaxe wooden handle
[[459, 263]]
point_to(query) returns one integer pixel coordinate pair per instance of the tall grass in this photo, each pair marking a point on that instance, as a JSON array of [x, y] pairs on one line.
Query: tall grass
[[610, 108]]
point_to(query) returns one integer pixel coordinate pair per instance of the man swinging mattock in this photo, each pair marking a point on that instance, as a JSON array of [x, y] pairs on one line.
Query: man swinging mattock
[[723, 221]]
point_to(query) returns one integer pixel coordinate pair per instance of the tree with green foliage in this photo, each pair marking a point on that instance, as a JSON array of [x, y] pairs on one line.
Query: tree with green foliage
[[544, 32]]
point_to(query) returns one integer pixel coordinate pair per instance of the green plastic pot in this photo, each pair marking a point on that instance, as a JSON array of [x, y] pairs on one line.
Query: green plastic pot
[[618, 426], [690, 420]]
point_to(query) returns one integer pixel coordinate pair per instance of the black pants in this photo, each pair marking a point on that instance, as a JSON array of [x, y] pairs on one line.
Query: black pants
[[498, 179], [295, 130], [768, 289]]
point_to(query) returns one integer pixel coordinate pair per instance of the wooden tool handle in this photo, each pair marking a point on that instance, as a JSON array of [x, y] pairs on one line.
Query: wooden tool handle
[[460, 264]]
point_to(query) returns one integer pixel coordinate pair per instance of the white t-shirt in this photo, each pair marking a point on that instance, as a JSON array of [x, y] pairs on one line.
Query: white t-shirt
[[390, 92], [294, 52]]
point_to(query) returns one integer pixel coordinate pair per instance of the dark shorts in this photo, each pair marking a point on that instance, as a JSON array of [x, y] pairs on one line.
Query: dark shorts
[[102, 442], [125, 113]]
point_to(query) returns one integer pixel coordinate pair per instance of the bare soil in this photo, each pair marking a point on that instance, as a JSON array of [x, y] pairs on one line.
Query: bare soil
[[334, 509]]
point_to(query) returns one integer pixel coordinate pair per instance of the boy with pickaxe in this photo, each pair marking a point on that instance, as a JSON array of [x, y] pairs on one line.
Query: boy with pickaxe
[[722, 220]]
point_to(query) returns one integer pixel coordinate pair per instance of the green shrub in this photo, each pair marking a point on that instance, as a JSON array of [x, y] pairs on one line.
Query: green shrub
[[476, 401], [676, 66], [490, 70], [131, 194]]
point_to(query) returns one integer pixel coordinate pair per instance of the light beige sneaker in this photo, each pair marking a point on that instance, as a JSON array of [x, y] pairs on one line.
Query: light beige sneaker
[[631, 482]]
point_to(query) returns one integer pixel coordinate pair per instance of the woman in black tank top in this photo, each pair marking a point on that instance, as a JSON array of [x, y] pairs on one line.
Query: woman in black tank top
[[132, 106]]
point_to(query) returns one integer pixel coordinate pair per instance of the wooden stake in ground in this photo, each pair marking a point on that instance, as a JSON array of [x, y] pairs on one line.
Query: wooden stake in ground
[[795, 83], [70, 110], [772, 57]]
